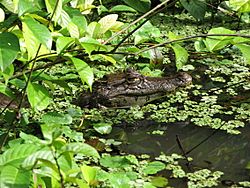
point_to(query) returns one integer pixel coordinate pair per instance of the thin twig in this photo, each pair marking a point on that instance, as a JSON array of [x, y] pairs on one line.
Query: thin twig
[[136, 21], [184, 154], [192, 37]]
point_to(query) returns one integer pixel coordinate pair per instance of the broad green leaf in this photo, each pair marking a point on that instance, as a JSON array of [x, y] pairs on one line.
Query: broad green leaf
[[108, 58], [11, 176], [16, 154], [62, 43], [117, 26], [7, 73], [119, 179], [9, 4], [27, 6], [147, 32], [6, 91], [103, 128], [84, 6], [245, 50], [31, 139], [200, 46], [35, 34], [2, 15], [51, 132], [84, 70], [107, 22], [32, 159], [38, 96], [81, 184], [159, 181], [181, 55], [154, 167], [214, 43], [81, 148], [9, 48], [197, 8], [122, 8], [139, 5], [81, 23], [56, 7], [93, 30], [89, 173], [64, 19], [73, 30], [91, 45], [240, 5], [115, 162], [56, 118]]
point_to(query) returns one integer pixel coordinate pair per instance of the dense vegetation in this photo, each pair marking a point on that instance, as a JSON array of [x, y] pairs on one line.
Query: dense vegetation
[[53, 50]]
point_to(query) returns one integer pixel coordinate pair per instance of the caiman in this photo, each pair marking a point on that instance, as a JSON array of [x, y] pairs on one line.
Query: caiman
[[131, 88]]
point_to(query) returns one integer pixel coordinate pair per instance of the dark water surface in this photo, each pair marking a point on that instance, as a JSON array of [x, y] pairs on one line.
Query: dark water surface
[[227, 153]]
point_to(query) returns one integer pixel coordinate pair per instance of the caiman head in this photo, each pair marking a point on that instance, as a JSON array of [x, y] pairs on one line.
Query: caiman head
[[132, 88]]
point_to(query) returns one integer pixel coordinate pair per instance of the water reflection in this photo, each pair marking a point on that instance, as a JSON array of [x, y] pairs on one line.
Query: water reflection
[[228, 153]]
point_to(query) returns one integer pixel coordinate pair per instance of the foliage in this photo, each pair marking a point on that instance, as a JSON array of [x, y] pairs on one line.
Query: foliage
[[50, 49]]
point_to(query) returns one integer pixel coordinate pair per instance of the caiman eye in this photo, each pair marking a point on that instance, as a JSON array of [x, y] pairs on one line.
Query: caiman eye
[[133, 79]]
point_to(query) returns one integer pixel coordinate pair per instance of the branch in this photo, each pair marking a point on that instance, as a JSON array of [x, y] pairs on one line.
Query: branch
[[192, 37], [136, 21]]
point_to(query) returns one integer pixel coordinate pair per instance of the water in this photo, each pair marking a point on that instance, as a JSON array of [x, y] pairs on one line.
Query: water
[[227, 153]]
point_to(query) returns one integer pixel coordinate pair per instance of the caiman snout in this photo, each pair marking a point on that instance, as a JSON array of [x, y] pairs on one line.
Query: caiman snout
[[183, 79]]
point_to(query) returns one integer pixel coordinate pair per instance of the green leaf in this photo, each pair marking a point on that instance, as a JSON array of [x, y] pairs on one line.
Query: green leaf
[[6, 91], [56, 118], [84, 70], [2, 15], [154, 167], [107, 22], [159, 181], [147, 32], [38, 96], [119, 179], [89, 173], [62, 43], [14, 177], [35, 34], [82, 148], [9, 48], [93, 30], [54, 7], [245, 49], [108, 58], [139, 5], [81, 23], [240, 5], [31, 139], [85, 6], [115, 162], [103, 128], [197, 8], [91, 45], [7, 73], [9, 4], [73, 30], [32, 159], [27, 6], [181, 55], [16, 154], [122, 8], [214, 43]]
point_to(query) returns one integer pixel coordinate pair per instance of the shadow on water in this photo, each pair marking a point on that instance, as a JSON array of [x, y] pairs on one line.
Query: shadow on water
[[227, 153]]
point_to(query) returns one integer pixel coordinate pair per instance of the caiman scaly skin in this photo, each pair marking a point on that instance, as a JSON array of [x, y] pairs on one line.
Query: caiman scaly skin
[[131, 88]]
